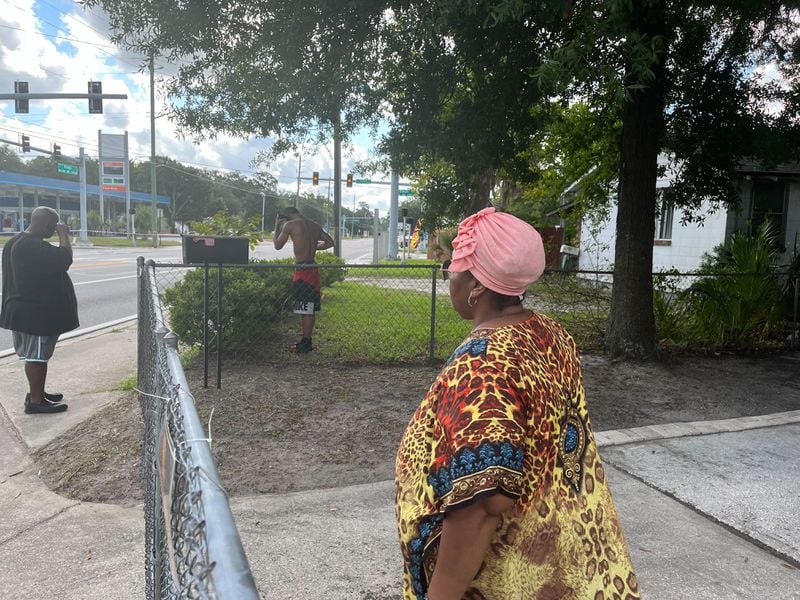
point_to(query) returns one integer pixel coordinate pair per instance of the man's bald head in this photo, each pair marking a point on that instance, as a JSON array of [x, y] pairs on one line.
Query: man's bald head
[[43, 221]]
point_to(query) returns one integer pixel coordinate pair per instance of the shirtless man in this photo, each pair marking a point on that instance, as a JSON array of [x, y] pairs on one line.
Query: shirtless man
[[307, 237]]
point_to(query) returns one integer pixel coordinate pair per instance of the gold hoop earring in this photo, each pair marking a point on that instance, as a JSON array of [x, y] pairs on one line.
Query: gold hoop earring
[[471, 300]]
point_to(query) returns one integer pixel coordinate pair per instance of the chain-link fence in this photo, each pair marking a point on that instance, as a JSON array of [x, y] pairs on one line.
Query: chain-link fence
[[374, 313], [192, 547], [402, 313], [692, 310]]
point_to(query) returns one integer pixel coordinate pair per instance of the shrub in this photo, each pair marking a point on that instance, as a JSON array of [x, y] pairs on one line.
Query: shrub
[[670, 308], [739, 303], [252, 302]]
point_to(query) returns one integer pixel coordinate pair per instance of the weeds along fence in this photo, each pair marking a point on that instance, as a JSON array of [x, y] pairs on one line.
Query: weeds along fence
[[402, 313], [192, 546]]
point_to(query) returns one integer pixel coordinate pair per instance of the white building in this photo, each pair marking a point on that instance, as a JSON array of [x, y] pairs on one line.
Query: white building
[[772, 194]]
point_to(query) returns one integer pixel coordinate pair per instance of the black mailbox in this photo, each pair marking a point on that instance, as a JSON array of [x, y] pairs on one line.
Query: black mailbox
[[199, 249]]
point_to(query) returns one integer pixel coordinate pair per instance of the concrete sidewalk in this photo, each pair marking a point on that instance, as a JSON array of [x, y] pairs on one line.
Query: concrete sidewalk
[[710, 509]]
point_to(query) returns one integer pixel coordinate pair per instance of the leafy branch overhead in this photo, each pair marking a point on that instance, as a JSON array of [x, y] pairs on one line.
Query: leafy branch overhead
[[222, 224], [282, 68]]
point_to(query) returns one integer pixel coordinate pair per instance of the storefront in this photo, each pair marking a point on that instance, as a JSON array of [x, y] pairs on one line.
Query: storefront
[[20, 194]]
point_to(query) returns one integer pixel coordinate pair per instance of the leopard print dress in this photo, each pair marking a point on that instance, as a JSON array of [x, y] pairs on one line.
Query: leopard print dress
[[507, 414]]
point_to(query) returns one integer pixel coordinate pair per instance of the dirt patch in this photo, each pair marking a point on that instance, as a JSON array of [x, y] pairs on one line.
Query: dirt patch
[[303, 425], [100, 459]]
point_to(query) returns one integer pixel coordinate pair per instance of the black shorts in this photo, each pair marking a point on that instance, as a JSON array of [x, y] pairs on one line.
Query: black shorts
[[306, 300]]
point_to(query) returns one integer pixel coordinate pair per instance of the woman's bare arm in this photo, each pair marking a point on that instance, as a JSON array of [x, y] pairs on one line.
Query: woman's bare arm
[[466, 535]]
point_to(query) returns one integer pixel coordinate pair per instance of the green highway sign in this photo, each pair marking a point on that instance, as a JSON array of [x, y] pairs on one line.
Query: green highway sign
[[363, 180], [405, 193], [68, 169]]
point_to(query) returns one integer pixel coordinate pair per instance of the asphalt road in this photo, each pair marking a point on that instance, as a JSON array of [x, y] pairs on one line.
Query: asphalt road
[[105, 278]]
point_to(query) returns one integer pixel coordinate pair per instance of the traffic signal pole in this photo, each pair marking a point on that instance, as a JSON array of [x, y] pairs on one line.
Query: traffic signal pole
[[22, 96], [337, 184], [82, 175], [393, 202]]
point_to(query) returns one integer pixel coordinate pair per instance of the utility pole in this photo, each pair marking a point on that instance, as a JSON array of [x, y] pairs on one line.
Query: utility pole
[[337, 183], [82, 176], [299, 164], [263, 210], [100, 177], [153, 151], [393, 202], [128, 215]]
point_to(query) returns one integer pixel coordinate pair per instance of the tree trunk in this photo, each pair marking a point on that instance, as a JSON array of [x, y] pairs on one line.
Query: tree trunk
[[631, 329], [482, 191]]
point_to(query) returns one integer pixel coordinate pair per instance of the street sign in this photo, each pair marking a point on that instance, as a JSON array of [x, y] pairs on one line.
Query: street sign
[[405, 193], [67, 169], [113, 179], [363, 180]]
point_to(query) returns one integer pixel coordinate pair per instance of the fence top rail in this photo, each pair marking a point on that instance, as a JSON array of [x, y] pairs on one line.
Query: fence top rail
[[436, 265], [426, 267], [230, 576]]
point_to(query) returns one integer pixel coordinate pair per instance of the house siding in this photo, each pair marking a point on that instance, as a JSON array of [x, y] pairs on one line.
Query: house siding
[[690, 242], [684, 251]]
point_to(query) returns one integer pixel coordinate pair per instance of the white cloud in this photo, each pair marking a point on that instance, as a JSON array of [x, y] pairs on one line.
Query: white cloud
[[30, 52]]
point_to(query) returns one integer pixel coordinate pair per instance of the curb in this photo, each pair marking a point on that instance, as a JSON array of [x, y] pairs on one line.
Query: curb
[[666, 431]]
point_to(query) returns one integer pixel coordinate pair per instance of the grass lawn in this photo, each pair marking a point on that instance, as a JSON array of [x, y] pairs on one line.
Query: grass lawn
[[109, 241], [123, 242], [385, 321], [416, 268], [366, 322]]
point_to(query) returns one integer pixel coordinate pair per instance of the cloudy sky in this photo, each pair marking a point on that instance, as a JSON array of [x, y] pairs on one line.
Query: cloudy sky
[[58, 46]]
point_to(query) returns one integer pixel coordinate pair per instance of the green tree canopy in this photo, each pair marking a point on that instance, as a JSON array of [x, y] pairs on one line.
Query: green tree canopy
[[284, 68], [682, 77]]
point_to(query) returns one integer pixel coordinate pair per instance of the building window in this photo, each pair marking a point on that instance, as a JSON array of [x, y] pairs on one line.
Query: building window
[[769, 204], [665, 209]]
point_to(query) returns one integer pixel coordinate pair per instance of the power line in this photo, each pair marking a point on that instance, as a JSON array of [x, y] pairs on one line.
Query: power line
[[67, 39], [64, 140], [215, 182], [103, 34], [71, 16]]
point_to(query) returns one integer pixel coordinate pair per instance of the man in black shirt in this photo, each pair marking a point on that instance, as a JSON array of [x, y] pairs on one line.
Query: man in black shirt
[[39, 301]]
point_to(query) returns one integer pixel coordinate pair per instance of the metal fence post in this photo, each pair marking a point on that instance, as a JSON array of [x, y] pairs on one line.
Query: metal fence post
[[205, 325], [432, 342], [796, 277], [141, 323], [219, 326]]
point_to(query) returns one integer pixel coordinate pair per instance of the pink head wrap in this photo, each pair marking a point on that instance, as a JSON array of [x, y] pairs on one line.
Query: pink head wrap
[[503, 252]]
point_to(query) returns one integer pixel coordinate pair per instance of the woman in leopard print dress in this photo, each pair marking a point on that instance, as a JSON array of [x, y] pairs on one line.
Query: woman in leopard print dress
[[500, 491]]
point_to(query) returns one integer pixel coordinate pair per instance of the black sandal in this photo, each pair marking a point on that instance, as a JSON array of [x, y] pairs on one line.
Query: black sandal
[[302, 347]]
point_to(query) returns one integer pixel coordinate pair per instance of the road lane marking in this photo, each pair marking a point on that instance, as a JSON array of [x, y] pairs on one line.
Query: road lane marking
[[104, 280], [101, 280], [107, 263]]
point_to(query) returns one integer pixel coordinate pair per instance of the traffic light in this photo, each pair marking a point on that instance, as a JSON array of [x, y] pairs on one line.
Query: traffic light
[[26, 143], [349, 180], [20, 106], [315, 178], [56, 151], [95, 104]]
